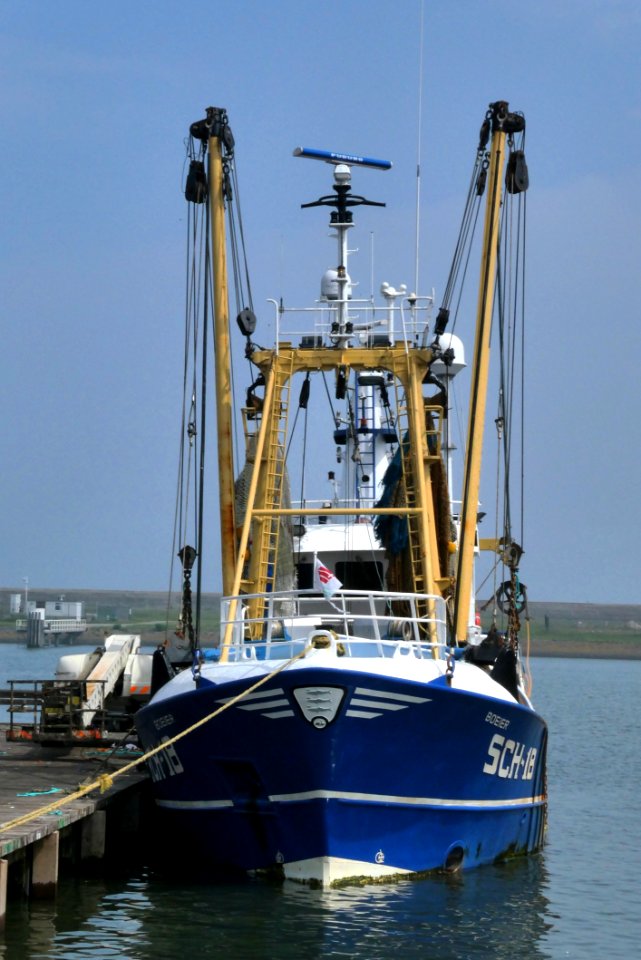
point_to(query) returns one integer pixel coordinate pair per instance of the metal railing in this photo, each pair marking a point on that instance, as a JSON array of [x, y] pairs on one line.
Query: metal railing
[[66, 625], [364, 623], [370, 324], [52, 710]]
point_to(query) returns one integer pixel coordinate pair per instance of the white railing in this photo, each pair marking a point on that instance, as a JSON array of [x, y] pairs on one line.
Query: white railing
[[70, 625], [334, 503], [369, 323], [365, 623]]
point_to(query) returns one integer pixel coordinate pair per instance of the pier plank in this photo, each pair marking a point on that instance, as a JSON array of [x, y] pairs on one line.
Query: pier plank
[[28, 771]]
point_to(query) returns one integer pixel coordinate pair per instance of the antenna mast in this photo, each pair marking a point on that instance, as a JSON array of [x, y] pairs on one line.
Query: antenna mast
[[418, 146]]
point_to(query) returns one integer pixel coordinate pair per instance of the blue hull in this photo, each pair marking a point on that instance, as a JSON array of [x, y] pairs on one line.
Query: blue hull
[[402, 777]]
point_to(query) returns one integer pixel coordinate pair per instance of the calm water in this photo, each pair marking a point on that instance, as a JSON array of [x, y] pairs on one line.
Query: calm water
[[579, 898]]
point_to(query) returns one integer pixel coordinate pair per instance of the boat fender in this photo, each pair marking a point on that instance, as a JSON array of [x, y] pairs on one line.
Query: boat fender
[[196, 185], [303, 399], [441, 321], [505, 671], [161, 669]]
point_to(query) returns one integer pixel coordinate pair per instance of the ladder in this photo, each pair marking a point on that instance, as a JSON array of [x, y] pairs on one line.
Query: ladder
[[367, 445], [266, 529], [415, 544], [420, 433]]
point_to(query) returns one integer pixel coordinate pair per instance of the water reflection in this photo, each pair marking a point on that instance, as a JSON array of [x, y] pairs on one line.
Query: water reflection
[[500, 912], [578, 899]]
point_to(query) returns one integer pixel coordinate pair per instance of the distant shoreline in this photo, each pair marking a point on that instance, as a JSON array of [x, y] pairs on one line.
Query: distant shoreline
[[572, 649], [581, 650]]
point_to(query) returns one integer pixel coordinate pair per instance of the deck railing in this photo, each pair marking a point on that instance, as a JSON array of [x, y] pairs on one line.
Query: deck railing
[[62, 625], [407, 322], [364, 623], [53, 710]]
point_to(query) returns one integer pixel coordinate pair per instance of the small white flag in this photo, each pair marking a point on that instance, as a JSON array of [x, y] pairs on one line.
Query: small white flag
[[324, 580]]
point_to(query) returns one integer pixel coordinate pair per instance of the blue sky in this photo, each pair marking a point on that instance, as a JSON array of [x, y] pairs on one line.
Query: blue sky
[[96, 102]]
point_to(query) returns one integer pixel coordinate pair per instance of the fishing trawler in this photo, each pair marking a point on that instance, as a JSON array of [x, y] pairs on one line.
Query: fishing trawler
[[358, 722]]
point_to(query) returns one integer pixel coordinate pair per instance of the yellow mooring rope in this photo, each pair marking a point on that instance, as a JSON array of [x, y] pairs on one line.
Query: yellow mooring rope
[[105, 781]]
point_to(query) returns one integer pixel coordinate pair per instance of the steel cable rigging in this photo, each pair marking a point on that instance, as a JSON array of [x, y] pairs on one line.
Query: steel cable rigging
[[199, 326], [510, 595], [188, 506], [508, 329]]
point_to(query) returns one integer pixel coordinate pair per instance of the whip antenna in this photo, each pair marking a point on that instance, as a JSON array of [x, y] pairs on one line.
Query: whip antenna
[[418, 145]]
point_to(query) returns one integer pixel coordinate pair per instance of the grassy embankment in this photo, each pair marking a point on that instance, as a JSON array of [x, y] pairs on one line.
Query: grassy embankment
[[584, 630], [557, 629]]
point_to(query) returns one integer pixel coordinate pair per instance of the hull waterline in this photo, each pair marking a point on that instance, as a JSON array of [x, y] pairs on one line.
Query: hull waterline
[[261, 788]]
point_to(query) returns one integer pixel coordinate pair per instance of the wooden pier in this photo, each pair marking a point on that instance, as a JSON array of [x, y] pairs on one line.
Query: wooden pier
[[80, 832]]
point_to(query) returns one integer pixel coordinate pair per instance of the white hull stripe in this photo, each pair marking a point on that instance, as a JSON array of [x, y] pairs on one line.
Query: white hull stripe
[[357, 702], [259, 695], [269, 705], [271, 700], [383, 694], [390, 798], [373, 798], [194, 804], [362, 691]]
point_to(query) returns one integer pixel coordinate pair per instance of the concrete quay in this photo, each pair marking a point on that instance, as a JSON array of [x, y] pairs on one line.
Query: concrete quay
[[78, 835]]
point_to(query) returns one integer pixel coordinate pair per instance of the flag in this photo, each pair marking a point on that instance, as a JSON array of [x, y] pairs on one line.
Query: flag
[[324, 580]]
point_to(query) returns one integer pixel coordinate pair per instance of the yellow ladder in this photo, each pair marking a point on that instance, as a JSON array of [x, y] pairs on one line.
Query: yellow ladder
[[420, 433], [415, 544], [262, 569]]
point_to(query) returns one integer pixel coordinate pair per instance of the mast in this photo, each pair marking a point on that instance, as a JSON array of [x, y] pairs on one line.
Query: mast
[[502, 122], [219, 132]]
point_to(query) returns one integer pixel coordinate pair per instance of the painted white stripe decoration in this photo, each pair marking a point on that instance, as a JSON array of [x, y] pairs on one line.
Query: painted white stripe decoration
[[373, 798], [263, 706], [356, 702], [258, 695], [383, 694], [405, 801], [363, 714]]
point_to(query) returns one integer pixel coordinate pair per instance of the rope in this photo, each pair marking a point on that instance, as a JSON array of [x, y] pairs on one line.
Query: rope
[[528, 673], [105, 781], [195, 645]]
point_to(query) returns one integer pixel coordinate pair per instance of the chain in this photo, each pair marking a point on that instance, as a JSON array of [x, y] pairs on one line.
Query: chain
[[513, 619]]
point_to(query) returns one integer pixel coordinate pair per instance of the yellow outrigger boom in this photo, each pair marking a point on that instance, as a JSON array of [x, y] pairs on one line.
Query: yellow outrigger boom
[[478, 387], [215, 117]]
